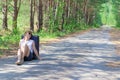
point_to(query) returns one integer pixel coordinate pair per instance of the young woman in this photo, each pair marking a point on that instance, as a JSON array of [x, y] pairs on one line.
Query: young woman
[[26, 49]]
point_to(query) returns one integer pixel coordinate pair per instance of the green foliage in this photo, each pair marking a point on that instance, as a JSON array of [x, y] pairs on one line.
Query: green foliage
[[108, 17], [116, 4], [4, 43], [97, 21], [55, 23], [0, 53], [96, 12], [8, 39]]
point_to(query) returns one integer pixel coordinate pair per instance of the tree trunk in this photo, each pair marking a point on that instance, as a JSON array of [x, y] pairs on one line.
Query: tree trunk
[[63, 17], [5, 11], [15, 13], [32, 13], [40, 15], [85, 11]]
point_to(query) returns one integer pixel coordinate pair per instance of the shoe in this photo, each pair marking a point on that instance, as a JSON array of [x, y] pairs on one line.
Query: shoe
[[19, 62]]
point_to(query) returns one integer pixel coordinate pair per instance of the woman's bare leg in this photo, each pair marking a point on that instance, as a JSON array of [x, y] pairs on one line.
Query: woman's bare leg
[[24, 51], [19, 54]]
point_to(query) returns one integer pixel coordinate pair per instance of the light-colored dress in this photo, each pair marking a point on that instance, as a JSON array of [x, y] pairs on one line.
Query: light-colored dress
[[29, 43]]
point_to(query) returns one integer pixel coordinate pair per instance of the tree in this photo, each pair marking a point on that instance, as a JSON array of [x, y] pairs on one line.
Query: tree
[[32, 14], [40, 15], [5, 12], [116, 4], [16, 7]]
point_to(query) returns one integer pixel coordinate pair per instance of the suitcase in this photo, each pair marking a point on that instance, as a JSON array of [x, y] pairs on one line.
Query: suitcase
[[36, 40]]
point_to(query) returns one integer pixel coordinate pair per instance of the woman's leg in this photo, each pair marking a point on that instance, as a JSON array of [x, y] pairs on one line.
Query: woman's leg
[[19, 55], [24, 51]]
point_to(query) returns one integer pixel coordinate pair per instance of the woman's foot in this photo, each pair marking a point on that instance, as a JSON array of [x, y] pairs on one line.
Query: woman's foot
[[20, 62]]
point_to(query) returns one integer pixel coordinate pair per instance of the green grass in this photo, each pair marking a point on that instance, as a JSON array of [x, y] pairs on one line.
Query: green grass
[[8, 40], [1, 53]]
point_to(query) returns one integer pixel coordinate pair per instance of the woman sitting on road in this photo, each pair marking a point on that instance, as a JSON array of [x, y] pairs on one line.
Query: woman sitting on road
[[26, 49]]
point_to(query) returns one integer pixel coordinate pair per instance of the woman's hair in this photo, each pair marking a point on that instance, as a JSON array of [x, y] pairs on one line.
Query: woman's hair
[[28, 31]]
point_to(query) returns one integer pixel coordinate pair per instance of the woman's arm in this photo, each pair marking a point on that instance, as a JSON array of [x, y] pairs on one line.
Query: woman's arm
[[35, 51], [20, 44]]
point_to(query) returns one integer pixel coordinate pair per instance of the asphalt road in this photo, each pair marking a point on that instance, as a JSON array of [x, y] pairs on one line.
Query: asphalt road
[[80, 57]]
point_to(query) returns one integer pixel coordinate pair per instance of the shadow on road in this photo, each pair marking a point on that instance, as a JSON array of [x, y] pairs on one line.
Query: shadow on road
[[74, 58]]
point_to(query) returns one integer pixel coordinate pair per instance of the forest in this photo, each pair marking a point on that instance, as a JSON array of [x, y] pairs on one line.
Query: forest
[[54, 18]]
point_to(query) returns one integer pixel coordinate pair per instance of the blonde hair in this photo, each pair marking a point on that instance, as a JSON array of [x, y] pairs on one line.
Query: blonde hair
[[28, 31]]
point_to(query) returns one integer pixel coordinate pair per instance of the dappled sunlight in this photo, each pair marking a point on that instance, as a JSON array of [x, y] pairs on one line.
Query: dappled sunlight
[[116, 42], [74, 58], [83, 49]]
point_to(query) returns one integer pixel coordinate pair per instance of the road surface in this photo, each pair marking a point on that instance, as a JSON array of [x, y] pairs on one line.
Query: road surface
[[80, 57]]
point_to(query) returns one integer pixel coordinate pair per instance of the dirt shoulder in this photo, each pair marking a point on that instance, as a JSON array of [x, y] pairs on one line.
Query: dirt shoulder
[[115, 38], [53, 40]]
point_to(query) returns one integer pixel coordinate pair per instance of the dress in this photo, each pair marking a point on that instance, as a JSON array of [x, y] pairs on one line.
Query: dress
[[29, 43]]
